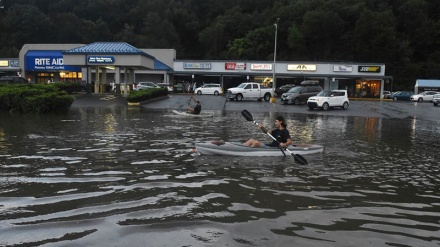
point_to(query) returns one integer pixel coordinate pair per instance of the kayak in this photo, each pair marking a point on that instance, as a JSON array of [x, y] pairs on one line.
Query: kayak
[[202, 115], [238, 149]]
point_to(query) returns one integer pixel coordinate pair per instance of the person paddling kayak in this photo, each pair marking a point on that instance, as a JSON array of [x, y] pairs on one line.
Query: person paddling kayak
[[280, 133], [197, 109]]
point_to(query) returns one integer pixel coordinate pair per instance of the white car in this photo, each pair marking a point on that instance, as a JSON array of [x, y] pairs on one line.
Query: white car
[[327, 99], [425, 96], [144, 85], [168, 86], [215, 89], [436, 99]]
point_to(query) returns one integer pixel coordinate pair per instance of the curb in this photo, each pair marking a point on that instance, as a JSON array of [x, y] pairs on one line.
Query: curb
[[147, 101]]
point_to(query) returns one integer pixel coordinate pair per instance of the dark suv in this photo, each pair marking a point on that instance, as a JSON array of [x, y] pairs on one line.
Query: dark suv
[[301, 94]]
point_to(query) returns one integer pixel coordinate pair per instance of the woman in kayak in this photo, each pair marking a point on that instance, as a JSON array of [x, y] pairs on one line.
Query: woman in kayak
[[280, 133], [197, 109]]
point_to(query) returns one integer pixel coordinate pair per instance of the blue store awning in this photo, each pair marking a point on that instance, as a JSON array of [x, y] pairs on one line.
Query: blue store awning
[[47, 61]]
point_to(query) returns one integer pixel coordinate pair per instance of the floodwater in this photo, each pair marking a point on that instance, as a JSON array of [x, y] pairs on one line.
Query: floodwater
[[129, 177]]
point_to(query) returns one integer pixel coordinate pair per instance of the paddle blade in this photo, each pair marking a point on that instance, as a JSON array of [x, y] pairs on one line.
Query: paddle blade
[[300, 159], [247, 115]]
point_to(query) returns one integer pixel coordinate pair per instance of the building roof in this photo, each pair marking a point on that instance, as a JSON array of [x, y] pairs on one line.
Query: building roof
[[427, 83], [107, 48], [158, 65]]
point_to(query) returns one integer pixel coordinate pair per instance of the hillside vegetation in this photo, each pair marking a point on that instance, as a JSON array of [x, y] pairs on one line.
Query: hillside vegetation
[[403, 34]]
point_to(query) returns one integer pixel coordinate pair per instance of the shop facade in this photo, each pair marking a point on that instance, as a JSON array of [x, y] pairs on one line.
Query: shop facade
[[9, 67], [360, 80], [41, 63]]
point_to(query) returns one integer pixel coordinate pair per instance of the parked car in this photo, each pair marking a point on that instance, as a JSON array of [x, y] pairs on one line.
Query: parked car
[[12, 80], [300, 94], [144, 85], [401, 95], [215, 89], [327, 99], [168, 86], [387, 94], [250, 90], [436, 99], [283, 89], [425, 96]]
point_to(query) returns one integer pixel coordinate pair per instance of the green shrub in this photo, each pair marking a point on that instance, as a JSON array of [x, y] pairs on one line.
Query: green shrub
[[142, 95], [34, 98], [69, 87]]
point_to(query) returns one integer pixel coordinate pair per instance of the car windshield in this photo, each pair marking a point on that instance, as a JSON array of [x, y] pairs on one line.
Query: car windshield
[[295, 90], [242, 85], [325, 93]]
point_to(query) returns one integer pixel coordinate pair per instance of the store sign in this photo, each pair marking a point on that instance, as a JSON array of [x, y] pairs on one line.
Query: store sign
[[301, 67], [14, 63], [4, 63], [261, 66], [43, 60], [235, 66], [100, 59], [369, 69], [197, 65], [342, 68]]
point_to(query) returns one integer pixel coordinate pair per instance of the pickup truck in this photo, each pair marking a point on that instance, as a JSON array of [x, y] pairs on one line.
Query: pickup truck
[[249, 90]]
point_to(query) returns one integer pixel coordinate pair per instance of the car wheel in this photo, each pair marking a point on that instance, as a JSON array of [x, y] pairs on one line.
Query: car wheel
[[239, 97], [216, 93], [420, 100], [296, 101], [345, 106], [199, 92], [395, 98], [325, 106], [435, 104], [267, 97]]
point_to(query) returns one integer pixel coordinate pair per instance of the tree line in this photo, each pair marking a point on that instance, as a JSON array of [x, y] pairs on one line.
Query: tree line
[[402, 34]]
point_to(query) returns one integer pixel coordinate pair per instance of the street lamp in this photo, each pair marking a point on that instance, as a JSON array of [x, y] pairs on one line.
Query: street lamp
[[275, 55]]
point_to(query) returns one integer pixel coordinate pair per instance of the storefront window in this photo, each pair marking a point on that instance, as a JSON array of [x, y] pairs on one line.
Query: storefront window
[[70, 76], [367, 89], [45, 77]]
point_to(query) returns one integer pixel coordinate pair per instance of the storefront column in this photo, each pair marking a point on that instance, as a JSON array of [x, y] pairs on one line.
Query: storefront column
[[130, 80], [125, 81], [104, 81], [97, 80], [382, 82], [118, 79]]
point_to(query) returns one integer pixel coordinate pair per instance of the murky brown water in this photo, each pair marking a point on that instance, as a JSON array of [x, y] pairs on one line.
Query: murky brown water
[[118, 177]]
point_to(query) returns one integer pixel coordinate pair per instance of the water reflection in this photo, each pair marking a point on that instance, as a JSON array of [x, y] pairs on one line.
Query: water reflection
[[73, 179]]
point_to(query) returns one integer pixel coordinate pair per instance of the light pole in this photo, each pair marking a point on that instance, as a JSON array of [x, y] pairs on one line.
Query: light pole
[[275, 55]]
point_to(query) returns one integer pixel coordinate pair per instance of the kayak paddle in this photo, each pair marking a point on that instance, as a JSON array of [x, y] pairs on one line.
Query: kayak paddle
[[298, 158]]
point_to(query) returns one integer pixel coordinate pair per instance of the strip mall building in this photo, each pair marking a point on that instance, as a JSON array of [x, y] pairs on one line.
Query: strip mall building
[[99, 64]]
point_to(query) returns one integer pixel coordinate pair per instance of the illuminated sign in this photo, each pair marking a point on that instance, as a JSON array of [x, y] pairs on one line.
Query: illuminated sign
[[235, 66], [261, 66], [197, 65], [342, 68], [369, 69], [100, 59], [4, 63], [45, 60], [302, 67]]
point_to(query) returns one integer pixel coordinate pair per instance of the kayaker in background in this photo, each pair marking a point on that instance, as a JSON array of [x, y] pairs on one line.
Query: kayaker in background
[[197, 109], [280, 133]]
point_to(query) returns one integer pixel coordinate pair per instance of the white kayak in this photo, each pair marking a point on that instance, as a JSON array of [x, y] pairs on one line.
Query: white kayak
[[238, 149], [202, 115]]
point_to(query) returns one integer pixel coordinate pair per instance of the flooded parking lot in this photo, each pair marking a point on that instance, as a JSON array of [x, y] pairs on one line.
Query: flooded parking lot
[[111, 175]]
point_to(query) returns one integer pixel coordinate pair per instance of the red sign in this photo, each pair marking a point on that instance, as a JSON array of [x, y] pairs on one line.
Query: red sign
[[235, 66]]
